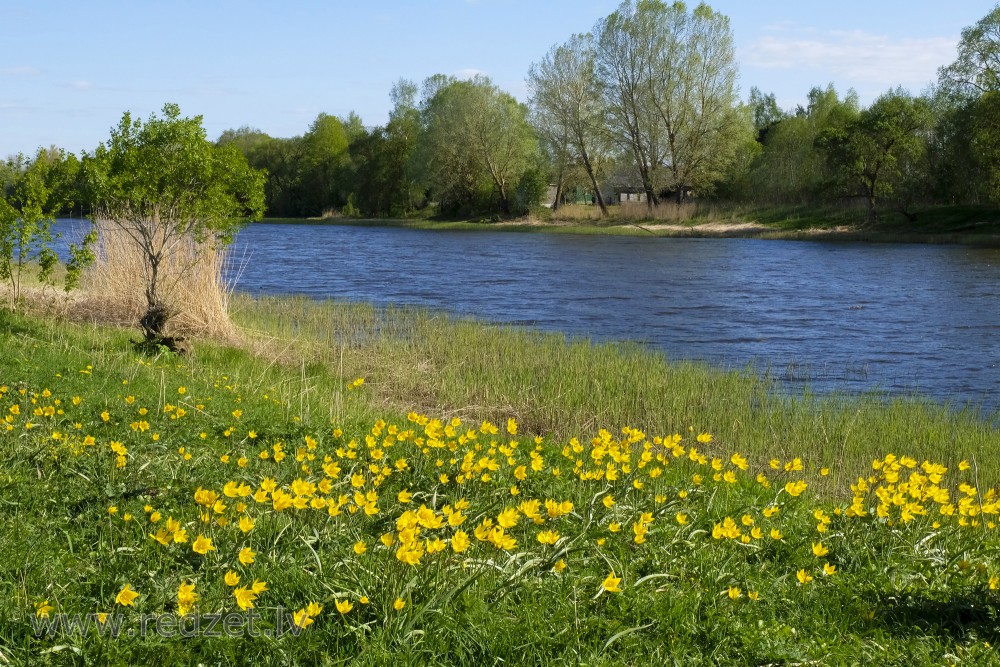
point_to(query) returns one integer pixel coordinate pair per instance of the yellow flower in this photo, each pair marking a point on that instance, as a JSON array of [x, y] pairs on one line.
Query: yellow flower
[[753, 595], [548, 537], [258, 587], [126, 597], [404, 496], [512, 426], [247, 555], [819, 550], [232, 578], [343, 606], [360, 547], [560, 565], [247, 524], [186, 597], [398, 604], [803, 577], [460, 541], [43, 608], [608, 501], [244, 597], [776, 534], [301, 619], [202, 545], [313, 609], [611, 583], [734, 592], [704, 438], [795, 488], [829, 569], [963, 465]]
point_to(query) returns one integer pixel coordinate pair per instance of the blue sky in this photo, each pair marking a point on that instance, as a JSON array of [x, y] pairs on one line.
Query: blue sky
[[69, 69]]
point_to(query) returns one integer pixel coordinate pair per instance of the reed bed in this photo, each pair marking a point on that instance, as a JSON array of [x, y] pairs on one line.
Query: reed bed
[[192, 284]]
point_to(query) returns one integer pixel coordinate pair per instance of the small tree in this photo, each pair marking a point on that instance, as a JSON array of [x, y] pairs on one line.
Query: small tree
[[32, 192], [163, 184]]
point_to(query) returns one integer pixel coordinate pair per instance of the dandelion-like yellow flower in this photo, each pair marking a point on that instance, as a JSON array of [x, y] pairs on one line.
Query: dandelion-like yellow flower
[[399, 604], [611, 583], [247, 555], [803, 576], [343, 606], [244, 597], [126, 596], [819, 549], [202, 545], [301, 619]]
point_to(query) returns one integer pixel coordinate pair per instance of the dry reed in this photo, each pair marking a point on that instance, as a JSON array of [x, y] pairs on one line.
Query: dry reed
[[192, 283]]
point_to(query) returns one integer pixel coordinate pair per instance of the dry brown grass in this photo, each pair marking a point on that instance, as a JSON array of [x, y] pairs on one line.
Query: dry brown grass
[[576, 212], [665, 211], [192, 283]]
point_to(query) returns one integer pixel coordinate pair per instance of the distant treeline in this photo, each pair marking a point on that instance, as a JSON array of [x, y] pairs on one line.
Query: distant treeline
[[646, 104]]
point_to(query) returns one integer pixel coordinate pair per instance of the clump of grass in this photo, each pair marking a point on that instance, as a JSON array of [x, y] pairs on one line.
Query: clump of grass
[[418, 359], [191, 278]]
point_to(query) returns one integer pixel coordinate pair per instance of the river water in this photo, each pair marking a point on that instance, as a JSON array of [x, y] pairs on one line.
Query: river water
[[898, 318]]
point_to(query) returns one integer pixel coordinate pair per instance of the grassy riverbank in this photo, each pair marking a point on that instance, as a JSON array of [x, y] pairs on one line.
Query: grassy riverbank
[[731, 529], [970, 225]]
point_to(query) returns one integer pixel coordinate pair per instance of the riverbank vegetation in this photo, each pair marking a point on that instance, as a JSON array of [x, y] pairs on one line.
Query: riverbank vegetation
[[392, 494]]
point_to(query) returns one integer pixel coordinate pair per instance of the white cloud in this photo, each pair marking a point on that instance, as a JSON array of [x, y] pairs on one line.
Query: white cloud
[[854, 57]]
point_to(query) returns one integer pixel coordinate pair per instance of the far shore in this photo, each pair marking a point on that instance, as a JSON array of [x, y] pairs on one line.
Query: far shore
[[983, 232]]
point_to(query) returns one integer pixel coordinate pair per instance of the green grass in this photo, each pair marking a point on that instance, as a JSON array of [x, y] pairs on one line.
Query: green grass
[[418, 359], [904, 592]]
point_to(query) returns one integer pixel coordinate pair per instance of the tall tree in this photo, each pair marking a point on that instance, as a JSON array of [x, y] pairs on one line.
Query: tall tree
[[624, 52], [669, 76], [791, 168], [325, 159], [693, 91], [567, 100], [873, 153], [977, 68], [475, 135]]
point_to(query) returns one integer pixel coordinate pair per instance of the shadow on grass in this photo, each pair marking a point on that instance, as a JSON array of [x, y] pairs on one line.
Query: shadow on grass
[[12, 324], [968, 615]]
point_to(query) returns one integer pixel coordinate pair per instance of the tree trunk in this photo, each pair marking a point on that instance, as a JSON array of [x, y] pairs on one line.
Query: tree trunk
[[593, 182]]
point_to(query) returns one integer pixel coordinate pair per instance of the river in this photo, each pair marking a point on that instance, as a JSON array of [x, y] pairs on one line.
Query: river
[[898, 318]]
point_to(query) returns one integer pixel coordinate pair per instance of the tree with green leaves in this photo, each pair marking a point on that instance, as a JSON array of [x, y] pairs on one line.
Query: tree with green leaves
[[476, 143], [791, 168], [32, 192], [669, 80], [873, 153], [162, 184], [568, 108], [977, 68]]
